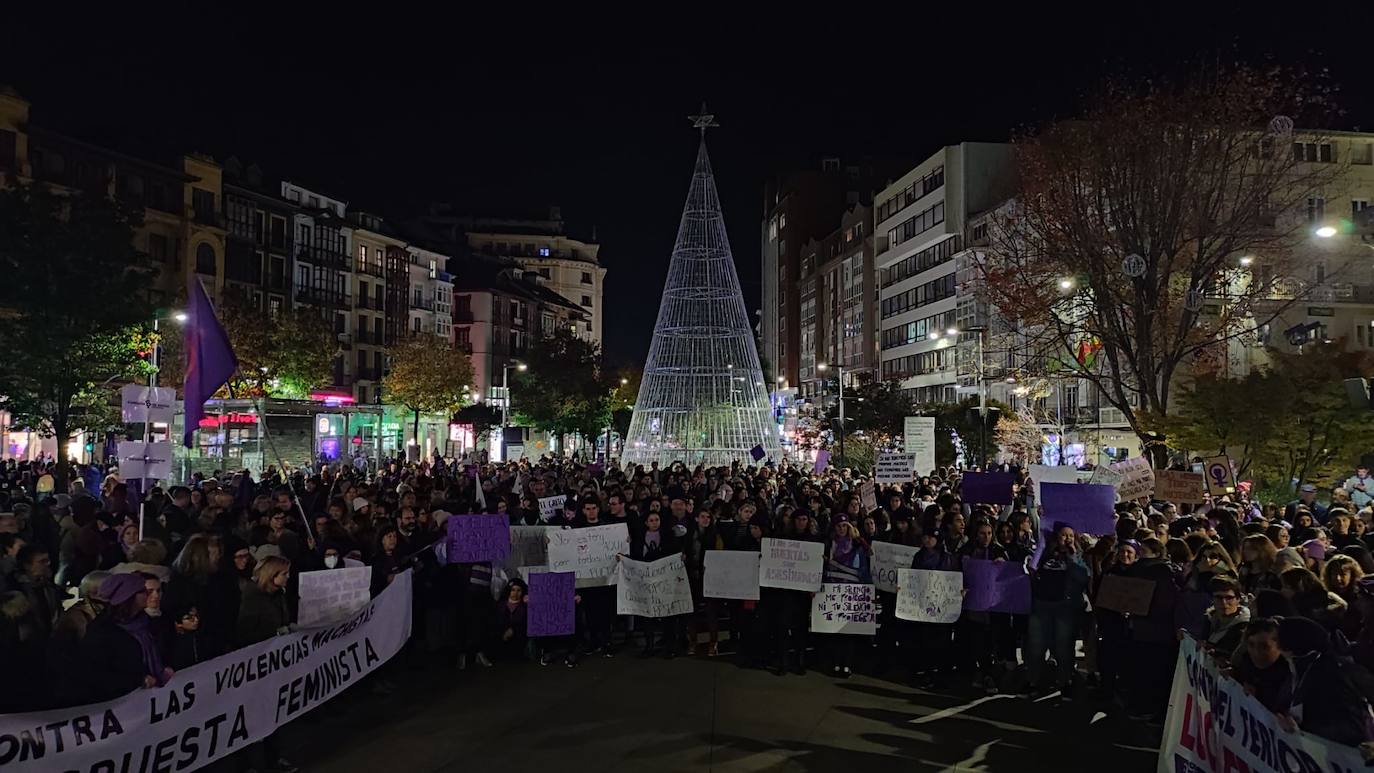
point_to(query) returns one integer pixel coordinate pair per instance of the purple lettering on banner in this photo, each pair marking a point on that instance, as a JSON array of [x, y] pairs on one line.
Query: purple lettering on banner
[[987, 488], [1090, 508], [551, 610], [474, 538], [996, 586]]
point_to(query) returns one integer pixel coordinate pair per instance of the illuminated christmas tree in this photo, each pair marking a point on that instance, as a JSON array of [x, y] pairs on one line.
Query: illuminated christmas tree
[[702, 398]]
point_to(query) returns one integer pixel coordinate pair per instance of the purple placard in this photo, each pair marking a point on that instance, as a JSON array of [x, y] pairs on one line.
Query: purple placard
[[987, 488], [1090, 508], [473, 538], [551, 610], [996, 586]]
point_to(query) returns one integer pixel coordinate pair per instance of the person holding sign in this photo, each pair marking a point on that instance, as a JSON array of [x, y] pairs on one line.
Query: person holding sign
[[846, 561], [1057, 585], [790, 610], [933, 641], [650, 545], [978, 635]]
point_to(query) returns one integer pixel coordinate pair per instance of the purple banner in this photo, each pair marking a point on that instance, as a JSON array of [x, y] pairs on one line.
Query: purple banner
[[474, 538], [996, 586], [1090, 508], [986, 488], [822, 460], [551, 610]]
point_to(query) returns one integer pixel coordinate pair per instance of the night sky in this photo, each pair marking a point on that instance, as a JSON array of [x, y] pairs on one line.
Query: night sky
[[507, 116]]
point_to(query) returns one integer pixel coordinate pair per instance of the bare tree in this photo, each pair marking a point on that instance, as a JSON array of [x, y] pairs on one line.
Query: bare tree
[[1164, 220]]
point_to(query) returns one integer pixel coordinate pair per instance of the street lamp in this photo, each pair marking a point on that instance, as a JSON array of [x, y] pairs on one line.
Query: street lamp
[[839, 382], [1326, 232], [1066, 283], [505, 399]]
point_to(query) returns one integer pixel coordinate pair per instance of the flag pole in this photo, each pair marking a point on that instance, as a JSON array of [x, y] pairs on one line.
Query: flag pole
[[260, 407]]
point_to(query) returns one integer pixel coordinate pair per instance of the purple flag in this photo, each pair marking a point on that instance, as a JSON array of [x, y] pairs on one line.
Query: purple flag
[[822, 460], [551, 611], [987, 488], [474, 538], [996, 586], [210, 361], [1090, 508]]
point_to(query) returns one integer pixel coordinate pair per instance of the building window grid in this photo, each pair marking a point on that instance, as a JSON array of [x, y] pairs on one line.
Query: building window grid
[[916, 225], [918, 296], [922, 261], [911, 194]]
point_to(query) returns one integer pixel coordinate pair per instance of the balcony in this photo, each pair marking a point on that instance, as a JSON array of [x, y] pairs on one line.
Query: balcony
[[422, 304], [320, 256], [365, 374], [320, 296], [371, 269]]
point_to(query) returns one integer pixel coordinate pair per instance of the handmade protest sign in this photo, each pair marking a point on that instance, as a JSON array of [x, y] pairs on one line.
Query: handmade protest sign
[[888, 557], [529, 546], [1106, 476], [868, 496], [1128, 595], [653, 588], [1137, 478], [551, 507], [1090, 508], [590, 552], [1219, 476], [822, 460], [844, 608], [474, 538], [215, 709], [551, 610], [929, 596], [987, 488], [1214, 726], [329, 595], [918, 439], [731, 574], [1181, 488], [791, 564], [1041, 474], [996, 586], [894, 468]]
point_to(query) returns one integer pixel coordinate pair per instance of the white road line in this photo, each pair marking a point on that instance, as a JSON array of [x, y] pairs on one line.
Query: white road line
[[953, 710], [1099, 716], [974, 761], [1054, 694]]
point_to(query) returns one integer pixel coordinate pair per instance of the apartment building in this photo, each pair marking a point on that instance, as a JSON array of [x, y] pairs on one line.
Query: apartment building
[[323, 271], [431, 295], [838, 299], [919, 223], [381, 314]]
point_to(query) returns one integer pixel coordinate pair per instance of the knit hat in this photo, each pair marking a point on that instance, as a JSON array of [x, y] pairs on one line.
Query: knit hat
[[1289, 558], [359, 503], [1314, 549], [119, 588]]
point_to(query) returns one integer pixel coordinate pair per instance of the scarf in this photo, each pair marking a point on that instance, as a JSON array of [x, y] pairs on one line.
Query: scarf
[[141, 628]]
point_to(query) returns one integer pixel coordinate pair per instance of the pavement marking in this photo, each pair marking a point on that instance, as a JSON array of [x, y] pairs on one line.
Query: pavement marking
[[1041, 699], [953, 710], [1099, 716], [973, 761]]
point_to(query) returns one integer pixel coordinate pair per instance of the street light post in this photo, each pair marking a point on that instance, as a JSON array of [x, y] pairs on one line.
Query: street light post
[[839, 389], [505, 401]]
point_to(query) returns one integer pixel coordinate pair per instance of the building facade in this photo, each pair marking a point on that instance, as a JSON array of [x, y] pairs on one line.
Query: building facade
[[919, 224], [322, 268], [381, 306], [260, 243]]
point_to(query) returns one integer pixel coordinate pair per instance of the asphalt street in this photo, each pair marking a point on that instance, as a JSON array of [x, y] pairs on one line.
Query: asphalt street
[[700, 714]]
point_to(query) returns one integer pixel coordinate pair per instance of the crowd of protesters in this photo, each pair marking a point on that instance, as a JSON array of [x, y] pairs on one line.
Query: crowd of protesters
[[97, 602]]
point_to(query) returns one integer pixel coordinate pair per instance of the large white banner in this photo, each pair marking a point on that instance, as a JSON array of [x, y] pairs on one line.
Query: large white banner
[[653, 588], [731, 574], [1213, 726], [918, 439], [888, 557], [844, 608], [894, 468], [791, 564], [216, 708], [588, 553], [333, 594], [929, 596]]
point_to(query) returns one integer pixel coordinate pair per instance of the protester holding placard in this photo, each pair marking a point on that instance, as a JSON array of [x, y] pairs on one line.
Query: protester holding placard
[[707, 610], [650, 545], [978, 635], [846, 561], [790, 610], [1057, 584], [933, 642]]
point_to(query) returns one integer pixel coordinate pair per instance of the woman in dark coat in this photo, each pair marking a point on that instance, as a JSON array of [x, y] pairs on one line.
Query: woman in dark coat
[[653, 543], [263, 612], [120, 652]]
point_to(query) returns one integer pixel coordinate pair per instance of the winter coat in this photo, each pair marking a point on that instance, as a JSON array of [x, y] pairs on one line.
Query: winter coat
[[261, 615], [111, 661], [1225, 633]]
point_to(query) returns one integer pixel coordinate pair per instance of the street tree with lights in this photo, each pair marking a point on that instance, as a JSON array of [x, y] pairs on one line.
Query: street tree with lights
[[427, 376], [75, 316], [1165, 220]]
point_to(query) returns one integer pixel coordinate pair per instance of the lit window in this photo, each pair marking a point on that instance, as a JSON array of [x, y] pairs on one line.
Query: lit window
[[544, 252]]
